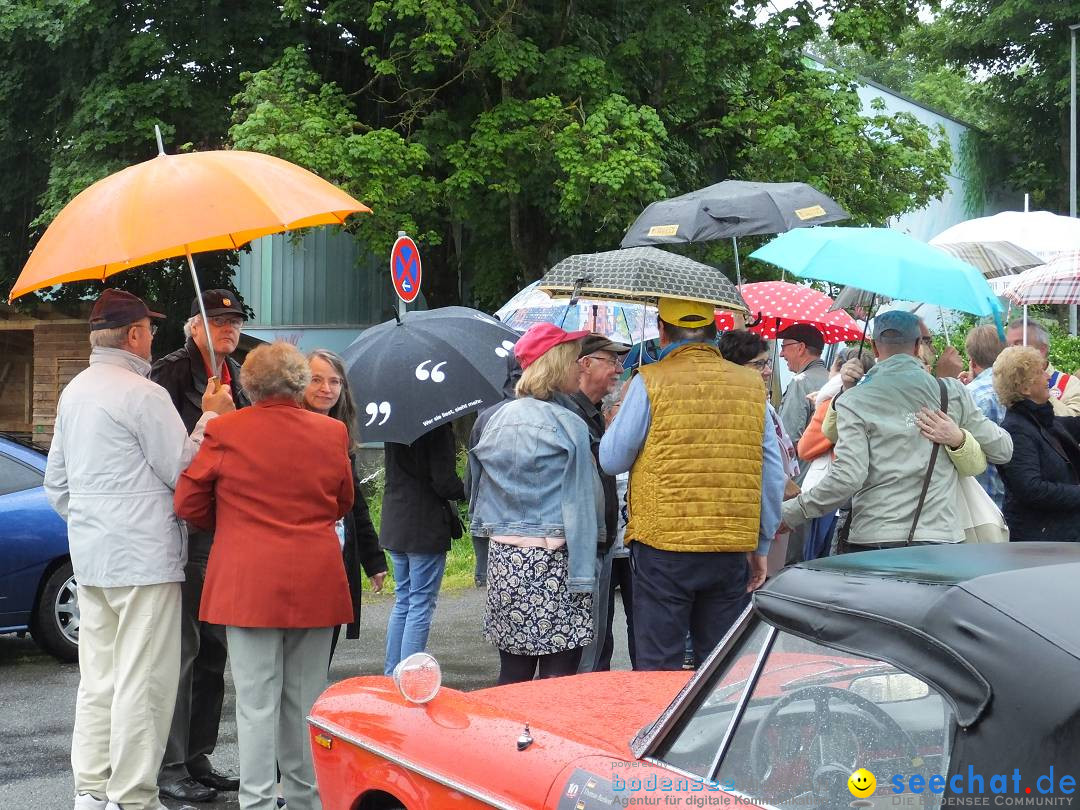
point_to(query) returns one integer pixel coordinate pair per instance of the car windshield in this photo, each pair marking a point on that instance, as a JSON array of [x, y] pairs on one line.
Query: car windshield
[[813, 717]]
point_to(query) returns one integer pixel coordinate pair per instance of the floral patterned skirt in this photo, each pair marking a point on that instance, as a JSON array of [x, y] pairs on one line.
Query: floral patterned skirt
[[530, 611]]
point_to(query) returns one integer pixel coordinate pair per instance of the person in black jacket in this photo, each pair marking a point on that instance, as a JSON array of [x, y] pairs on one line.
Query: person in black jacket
[[418, 522], [186, 772], [328, 393], [1042, 481]]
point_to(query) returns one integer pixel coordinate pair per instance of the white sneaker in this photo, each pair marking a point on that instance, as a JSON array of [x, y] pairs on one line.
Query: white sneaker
[[84, 801]]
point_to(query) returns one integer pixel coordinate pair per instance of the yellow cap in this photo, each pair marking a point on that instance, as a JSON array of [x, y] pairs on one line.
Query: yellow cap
[[687, 314]]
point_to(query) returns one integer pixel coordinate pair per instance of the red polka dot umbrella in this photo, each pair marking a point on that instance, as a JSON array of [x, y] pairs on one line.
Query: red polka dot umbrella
[[776, 305]]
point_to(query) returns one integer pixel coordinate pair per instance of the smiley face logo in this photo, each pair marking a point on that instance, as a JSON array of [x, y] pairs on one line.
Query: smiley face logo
[[862, 783]]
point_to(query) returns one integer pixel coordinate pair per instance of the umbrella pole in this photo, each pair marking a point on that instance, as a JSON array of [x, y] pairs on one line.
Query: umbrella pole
[[774, 381], [738, 271], [202, 311], [866, 324], [1025, 324], [641, 346]]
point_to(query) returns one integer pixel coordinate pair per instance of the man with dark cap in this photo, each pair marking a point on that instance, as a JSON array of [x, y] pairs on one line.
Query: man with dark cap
[[600, 367], [186, 772], [705, 487], [117, 451], [801, 346]]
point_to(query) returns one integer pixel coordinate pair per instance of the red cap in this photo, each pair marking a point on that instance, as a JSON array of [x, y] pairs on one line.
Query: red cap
[[540, 338]]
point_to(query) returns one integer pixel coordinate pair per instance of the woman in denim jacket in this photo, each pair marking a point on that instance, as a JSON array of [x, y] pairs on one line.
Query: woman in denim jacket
[[536, 495]]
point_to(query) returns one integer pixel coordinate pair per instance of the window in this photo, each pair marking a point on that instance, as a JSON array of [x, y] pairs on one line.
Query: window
[[814, 716], [695, 739], [16, 476]]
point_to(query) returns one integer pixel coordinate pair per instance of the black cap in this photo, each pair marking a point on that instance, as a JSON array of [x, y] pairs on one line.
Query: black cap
[[219, 302], [803, 333], [590, 344], [116, 308]]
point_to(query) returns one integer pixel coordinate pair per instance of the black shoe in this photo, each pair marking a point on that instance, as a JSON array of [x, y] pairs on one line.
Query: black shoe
[[187, 790], [218, 781]]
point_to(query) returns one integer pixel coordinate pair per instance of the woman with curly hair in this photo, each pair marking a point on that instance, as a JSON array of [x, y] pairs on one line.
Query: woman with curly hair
[[1042, 481], [271, 481]]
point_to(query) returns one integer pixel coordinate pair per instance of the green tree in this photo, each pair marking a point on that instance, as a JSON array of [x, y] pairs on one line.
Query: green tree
[[547, 127], [504, 134]]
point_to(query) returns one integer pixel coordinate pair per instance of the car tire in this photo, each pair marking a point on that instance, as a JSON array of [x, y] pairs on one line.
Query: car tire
[[56, 615]]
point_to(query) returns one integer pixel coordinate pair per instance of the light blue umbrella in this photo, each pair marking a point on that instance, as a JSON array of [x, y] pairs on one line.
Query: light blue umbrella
[[885, 262]]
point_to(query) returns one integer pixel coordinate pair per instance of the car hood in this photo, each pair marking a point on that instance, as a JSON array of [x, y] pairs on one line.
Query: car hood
[[571, 719], [601, 709]]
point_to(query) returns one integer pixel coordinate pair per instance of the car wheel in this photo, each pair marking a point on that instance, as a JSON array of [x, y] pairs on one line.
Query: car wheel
[[56, 617]]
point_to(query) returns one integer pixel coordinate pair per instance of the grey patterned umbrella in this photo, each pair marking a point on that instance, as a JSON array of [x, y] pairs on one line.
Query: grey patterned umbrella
[[641, 274]]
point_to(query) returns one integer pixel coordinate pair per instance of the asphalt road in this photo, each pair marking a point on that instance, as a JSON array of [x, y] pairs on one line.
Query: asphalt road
[[37, 696]]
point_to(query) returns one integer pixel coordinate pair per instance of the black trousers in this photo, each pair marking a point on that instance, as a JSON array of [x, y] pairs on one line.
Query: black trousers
[[518, 668], [620, 577], [203, 656], [679, 591]]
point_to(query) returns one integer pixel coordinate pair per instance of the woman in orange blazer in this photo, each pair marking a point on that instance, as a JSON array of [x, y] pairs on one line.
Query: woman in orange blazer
[[271, 481]]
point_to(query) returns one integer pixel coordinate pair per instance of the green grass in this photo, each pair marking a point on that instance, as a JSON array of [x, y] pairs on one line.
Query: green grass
[[460, 561]]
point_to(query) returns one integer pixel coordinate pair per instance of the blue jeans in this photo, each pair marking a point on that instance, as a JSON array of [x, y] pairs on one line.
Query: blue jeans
[[417, 578]]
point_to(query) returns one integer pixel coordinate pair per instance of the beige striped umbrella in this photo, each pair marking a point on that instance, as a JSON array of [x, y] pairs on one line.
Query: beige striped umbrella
[[994, 259]]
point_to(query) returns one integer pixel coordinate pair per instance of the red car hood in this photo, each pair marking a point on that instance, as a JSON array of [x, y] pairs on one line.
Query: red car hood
[[602, 709], [594, 715]]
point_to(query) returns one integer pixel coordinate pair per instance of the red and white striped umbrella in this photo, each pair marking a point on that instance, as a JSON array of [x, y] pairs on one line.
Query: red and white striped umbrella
[[776, 305], [1056, 282]]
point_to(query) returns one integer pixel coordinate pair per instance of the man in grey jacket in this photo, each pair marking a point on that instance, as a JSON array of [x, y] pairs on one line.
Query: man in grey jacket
[[119, 447], [881, 455]]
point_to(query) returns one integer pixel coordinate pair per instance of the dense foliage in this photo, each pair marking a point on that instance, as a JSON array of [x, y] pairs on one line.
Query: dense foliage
[[504, 134]]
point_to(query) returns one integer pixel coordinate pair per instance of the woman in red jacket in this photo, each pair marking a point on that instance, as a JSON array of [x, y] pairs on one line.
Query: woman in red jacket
[[271, 481]]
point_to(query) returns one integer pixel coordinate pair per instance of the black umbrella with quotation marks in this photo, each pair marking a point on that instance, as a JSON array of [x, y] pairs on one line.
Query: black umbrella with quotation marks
[[410, 376]]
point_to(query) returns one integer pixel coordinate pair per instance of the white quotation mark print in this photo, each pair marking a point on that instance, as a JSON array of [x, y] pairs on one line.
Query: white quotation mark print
[[436, 374], [373, 410], [505, 349]]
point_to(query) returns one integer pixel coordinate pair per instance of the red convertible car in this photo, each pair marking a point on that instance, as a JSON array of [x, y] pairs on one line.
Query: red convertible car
[[947, 673]]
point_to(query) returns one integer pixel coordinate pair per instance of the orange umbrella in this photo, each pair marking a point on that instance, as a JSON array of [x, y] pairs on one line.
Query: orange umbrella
[[177, 205]]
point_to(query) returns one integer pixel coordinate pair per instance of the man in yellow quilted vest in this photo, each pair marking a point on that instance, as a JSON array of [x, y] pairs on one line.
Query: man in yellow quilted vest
[[706, 484]]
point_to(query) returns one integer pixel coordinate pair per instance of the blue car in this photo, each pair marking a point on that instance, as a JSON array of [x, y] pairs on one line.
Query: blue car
[[37, 587]]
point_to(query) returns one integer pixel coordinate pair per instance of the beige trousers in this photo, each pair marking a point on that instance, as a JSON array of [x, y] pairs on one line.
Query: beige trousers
[[278, 674], [129, 666]]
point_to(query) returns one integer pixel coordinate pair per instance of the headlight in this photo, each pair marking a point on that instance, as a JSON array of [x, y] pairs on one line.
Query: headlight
[[418, 678]]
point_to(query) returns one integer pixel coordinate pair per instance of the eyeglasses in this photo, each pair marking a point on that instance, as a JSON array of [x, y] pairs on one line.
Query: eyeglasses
[[760, 364], [616, 362], [333, 382], [226, 320], [790, 344], [152, 327]]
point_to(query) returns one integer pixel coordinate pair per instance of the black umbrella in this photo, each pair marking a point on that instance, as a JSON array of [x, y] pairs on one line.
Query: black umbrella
[[641, 274], [410, 376], [731, 209]]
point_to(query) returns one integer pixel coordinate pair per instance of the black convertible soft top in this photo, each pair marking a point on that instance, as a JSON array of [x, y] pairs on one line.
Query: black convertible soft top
[[996, 628]]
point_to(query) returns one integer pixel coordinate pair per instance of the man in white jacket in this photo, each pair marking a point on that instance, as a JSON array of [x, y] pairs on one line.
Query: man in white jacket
[[118, 448]]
